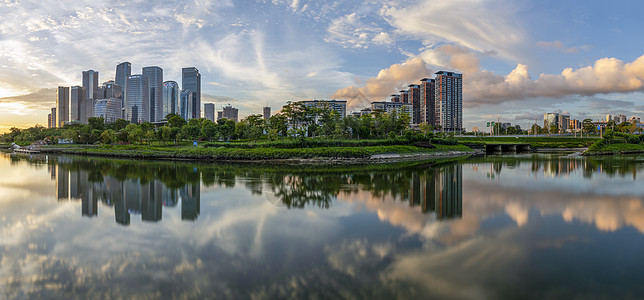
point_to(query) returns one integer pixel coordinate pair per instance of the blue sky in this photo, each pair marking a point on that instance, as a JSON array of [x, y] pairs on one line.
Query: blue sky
[[520, 59]]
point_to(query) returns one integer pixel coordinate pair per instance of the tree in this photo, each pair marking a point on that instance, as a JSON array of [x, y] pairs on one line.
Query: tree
[[166, 134], [226, 128], [176, 121], [256, 125], [278, 125], [108, 136], [118, 125], [588, 126], [209, 131], [96, 123], [70, 135]]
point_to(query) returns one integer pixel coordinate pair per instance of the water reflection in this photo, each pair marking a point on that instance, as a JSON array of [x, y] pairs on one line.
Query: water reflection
[[545, 226]]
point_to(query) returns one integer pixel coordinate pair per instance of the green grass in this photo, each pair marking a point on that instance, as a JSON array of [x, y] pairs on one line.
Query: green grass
[[535, 142], [223, 153], [601, 147]]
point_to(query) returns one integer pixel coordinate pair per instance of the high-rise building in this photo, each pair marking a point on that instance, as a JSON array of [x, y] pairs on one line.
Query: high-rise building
[[170, 98], [76, 101], [563, 122], [228, 112], [155, 82], [49, 120], [62, 105], [550, 119], [186, 102], [267, 113], [52, 123], [138, 99], [109, 109], [448, 99], [608, 118], [414, 98], [111, 90], [90, 83], [427, 94], [191, 80], [339, 106], [209, 111], [404, 96], [395, 98], [397, 108], [123, 71]]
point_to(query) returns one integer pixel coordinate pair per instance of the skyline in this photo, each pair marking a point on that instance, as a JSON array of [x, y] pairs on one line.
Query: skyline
[[519, 60]]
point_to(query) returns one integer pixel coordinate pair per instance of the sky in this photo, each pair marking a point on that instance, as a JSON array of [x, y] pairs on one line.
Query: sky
[[519, 59]]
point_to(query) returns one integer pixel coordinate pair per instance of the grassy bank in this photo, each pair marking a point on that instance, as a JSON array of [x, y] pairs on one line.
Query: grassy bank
[[535, 142], [261, 153], [602, 148]]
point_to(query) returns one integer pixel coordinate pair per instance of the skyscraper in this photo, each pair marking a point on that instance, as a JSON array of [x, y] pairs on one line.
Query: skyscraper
[[191, 80], [414, 98], [449, 100], [138, 99], [185, 104], [267, 113], [155, 82], [123, 71], [109, 109], [53, 118], [76, 100], [427, 90], [90, 83], [62, 105], [209, 111], [229, 112], [404, 96], [170, 98]]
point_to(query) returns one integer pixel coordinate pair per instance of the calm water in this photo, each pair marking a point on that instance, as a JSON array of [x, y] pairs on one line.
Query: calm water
[[532, 226]]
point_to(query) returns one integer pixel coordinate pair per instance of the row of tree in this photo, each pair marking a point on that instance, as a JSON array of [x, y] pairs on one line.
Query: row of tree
[[296, 120]]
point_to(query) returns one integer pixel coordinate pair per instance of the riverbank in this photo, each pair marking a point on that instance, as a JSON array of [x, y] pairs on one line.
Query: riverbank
[[534, 142], [342, 155], [601, 148]]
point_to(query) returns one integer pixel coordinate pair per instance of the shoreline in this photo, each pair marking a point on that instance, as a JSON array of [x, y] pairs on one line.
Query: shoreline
[[380, 158]]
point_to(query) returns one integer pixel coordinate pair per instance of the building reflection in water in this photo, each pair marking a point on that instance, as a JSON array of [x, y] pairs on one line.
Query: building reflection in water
[[439, 191], [127, 197]]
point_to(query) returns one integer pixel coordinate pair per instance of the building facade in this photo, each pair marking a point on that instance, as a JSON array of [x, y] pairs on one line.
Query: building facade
[[339, 106], [427, 96], [76, 101], [90, 83], [228, 112], [170, 98], [109, 109], [550, 119], [267, 113], [449, 100], [413, 94], [52, 121], [154, 75], [398, 108], [186, 102], [138, 99], [563, 123], [123, 71], [209, 111], [62, 105], [191, 80]]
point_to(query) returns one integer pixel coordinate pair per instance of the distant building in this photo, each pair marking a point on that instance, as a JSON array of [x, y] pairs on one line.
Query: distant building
[[550, 119], [90, 83], [404, 96], [449, 100], [228, 112], [427, 99], [394, 107], [49, 120], [191, 80], [574, 125], [395, 98], [209, 111], [109, 109], [608, 118], [77, 99], [52, 121], [154, 75], [563, 122], [186, 101], [619, 119], [170, 98], [267, 113], [635, 120], [62, 105], [123, 71], [339, 106], [138, 99], [413, 94]]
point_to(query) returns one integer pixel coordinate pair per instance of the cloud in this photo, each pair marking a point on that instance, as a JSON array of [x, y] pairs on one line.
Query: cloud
[[355, 30], [388, 81], [481, 87], [558, 45], [478, 25]]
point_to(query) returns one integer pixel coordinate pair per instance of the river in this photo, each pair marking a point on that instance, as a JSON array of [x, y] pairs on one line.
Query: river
[[529, 226]]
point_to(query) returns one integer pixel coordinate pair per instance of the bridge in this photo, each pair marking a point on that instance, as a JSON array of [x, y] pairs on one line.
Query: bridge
[[501, 148]]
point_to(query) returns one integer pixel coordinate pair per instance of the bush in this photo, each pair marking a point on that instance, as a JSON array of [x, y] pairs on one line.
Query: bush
[[633, 139]]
